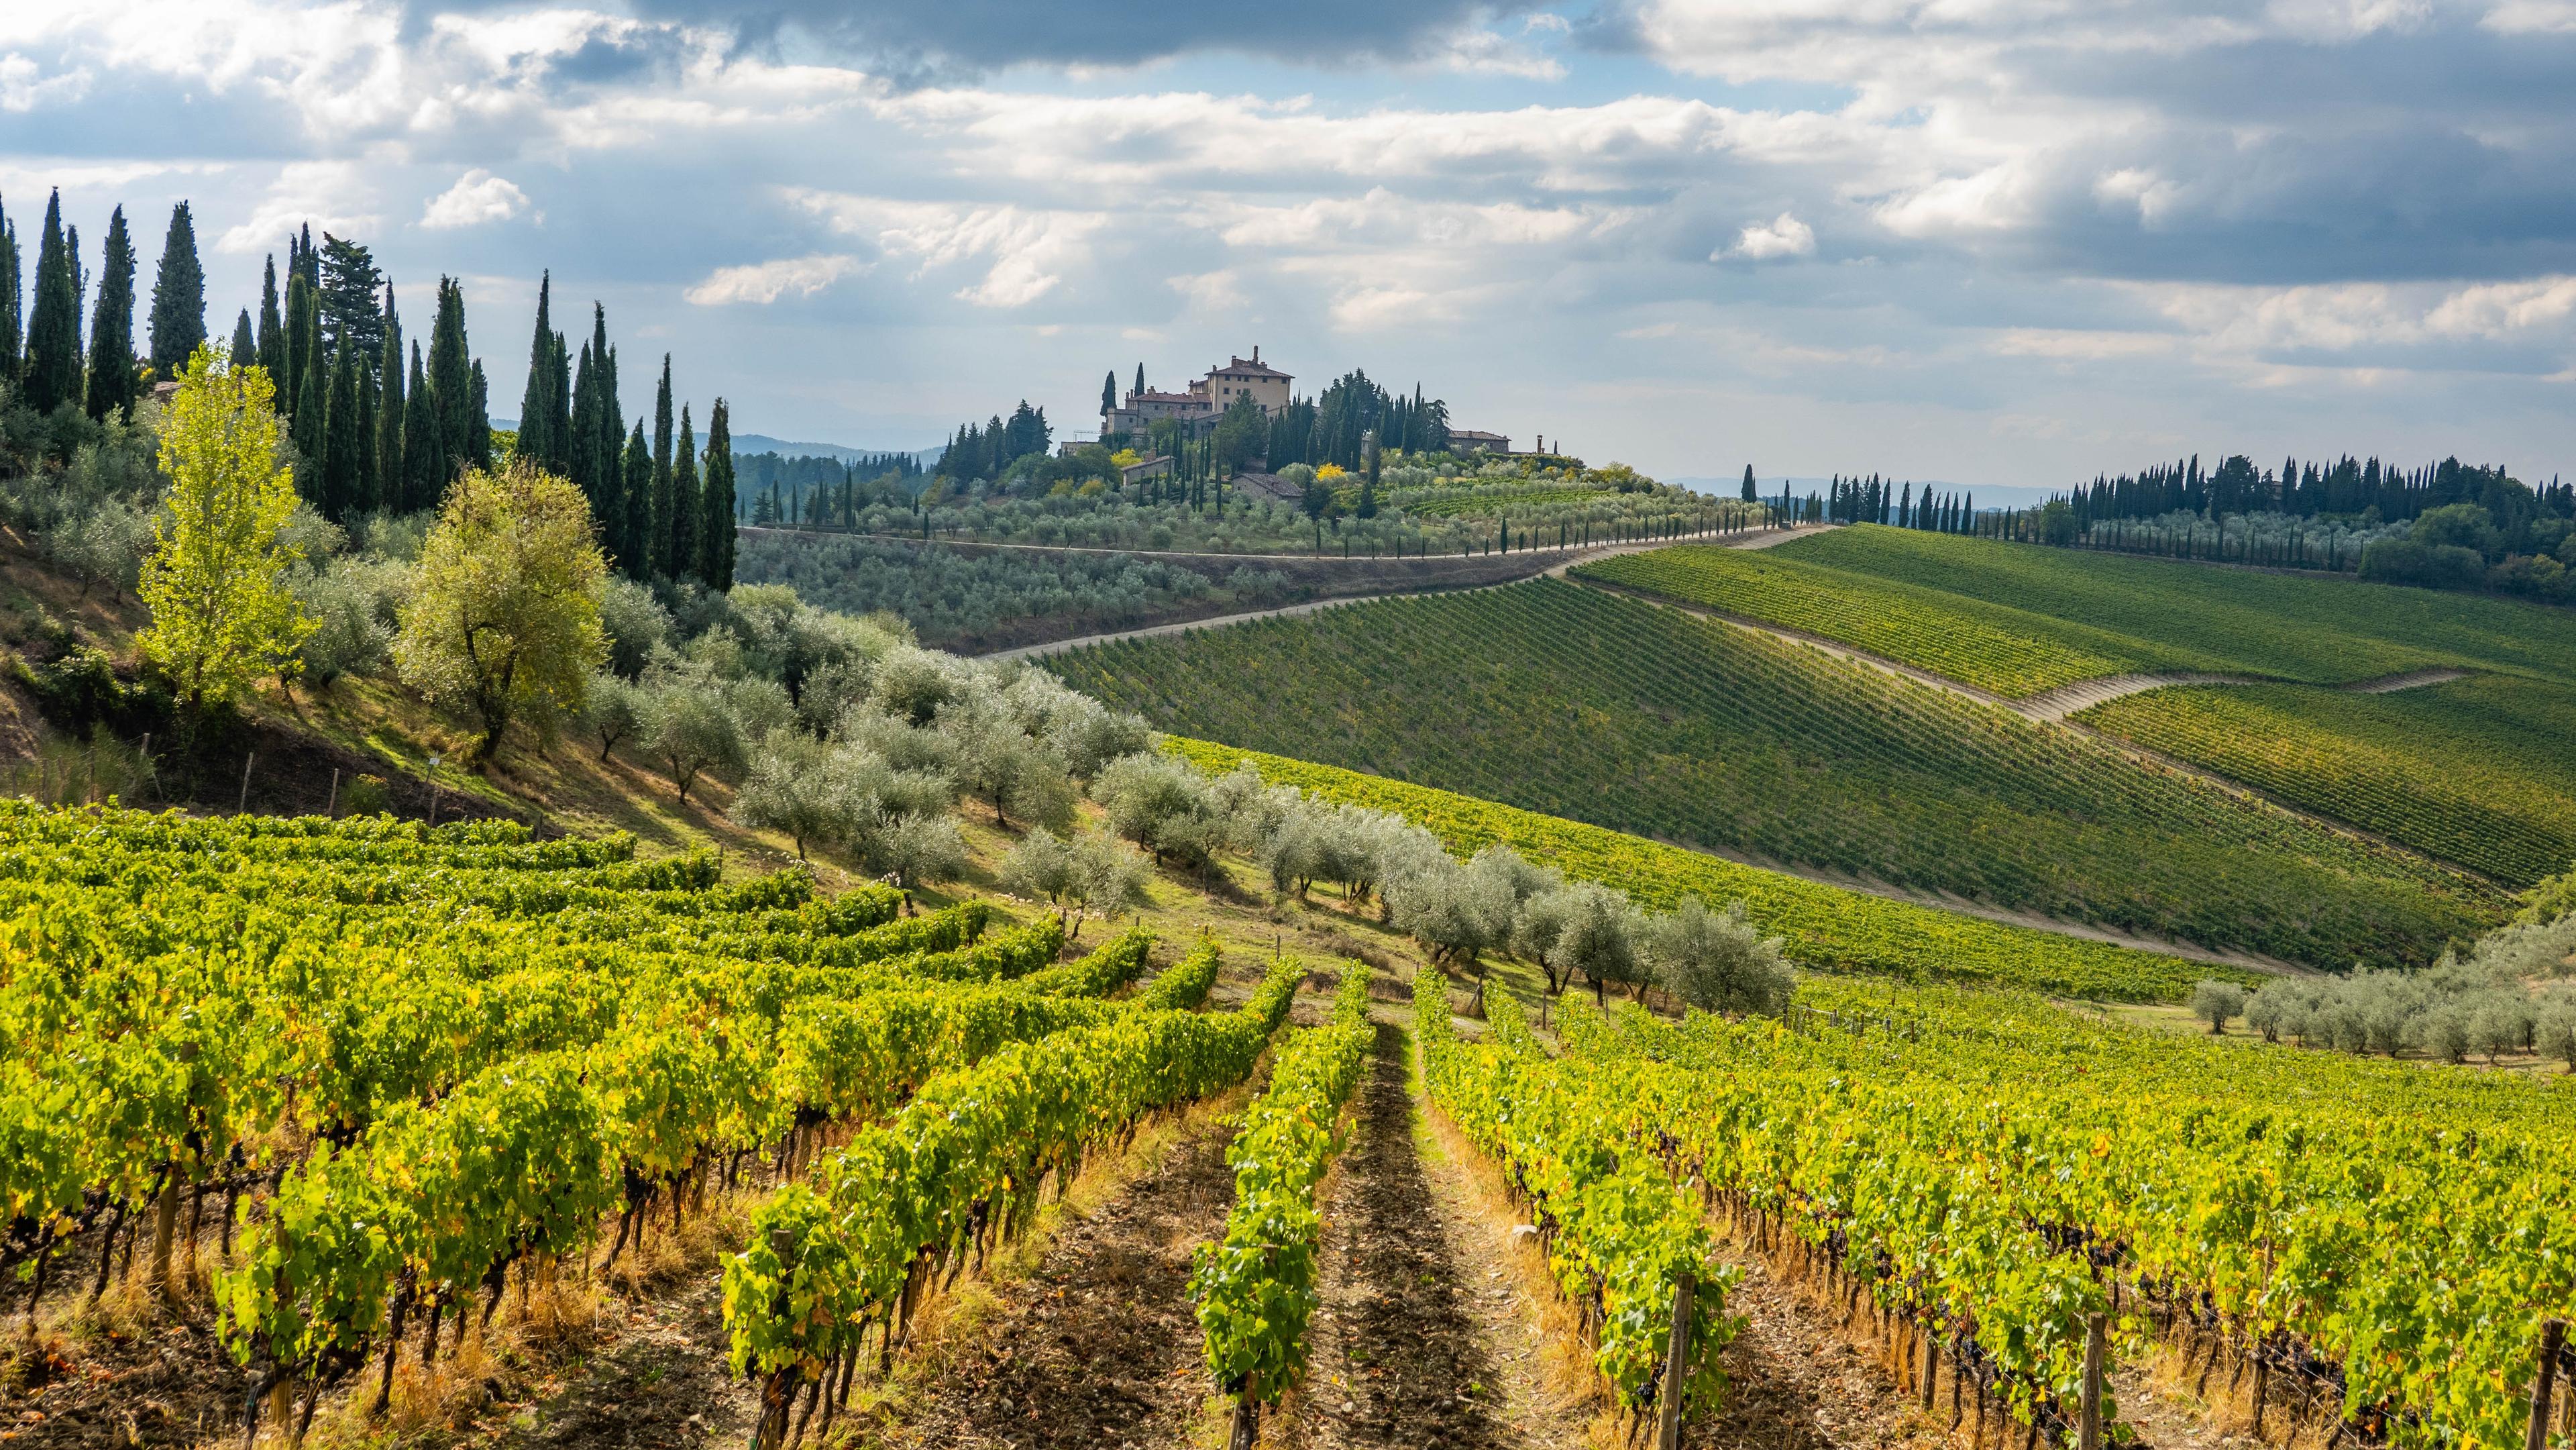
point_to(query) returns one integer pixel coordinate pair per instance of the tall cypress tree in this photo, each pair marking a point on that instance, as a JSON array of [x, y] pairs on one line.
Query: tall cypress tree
[[715, 544], [178, 298], [310, 424], [637, 474], [687, 515], [1140, 377], [1751, 493], [13, 315], [451, 379], [346, 283], [245, 350], [53, 323], [1109, 392], [478, 416], [582, 450], [303, 333], [424, 459], [559, 422], [340, 432], [272, 328], [536, 406], [392, 413], [111, 339], [658, 536]]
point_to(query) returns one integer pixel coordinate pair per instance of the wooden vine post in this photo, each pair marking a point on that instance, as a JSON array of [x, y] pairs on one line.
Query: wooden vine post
[[1668, 1430], [2553, 1335], [2095, 1333], [1247, 1420]]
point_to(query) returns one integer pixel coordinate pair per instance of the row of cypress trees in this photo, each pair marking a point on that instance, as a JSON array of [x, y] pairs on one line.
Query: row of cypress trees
[[375, 434]]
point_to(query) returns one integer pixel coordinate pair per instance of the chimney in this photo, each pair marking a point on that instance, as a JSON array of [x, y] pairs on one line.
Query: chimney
[[1256, 354]]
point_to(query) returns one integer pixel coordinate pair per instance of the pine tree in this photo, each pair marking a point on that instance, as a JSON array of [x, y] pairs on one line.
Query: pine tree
[[13, 316], [451, 381], [536, 407], [245, 350], [178, 298], [687, 516], [346, 290], [111, 342], [715, 545], [637, 487], [392, 412], [425, 470], [340, 441], [53, 323], [664, 528], [272, 328]]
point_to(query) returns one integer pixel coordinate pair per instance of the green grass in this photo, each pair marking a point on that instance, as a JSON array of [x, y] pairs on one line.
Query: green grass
[[2478, 771], [1995, 647], [1580, 703], [1827, 928], [2309, 628]]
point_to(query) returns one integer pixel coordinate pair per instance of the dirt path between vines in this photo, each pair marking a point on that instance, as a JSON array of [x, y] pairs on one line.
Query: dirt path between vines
[[1098, 1347], [1420, 1340]]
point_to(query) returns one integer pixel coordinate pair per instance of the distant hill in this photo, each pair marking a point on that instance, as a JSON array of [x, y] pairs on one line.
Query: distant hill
[[749, 443], [1987, 495]]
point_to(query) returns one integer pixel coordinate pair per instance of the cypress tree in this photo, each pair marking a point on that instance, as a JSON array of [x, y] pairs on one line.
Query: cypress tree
[[310, 424], [582, 454], [478, 413], [637, 487], [111, 340], [392, 413], [303, 330], [13, 315], [451, 381], [536, 408], [340, 441], [715, 545], [245, 351], [178, 298], [1751, 494], [664, 525], [346, 282], [424, 458], [559, 424], [272, 328], [687, 517], [1109, 392], [53, 323], [1140, 377]]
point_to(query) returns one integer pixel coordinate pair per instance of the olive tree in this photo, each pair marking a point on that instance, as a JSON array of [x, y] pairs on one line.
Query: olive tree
[[2216, 1002], [1716, 961]]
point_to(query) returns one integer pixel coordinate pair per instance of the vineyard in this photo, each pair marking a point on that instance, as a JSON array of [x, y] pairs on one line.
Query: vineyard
[[2471, 771], [1574, 702], [1994, 647], [1828, 929], [400, 1063], [2318, 630], [2379, 1245]]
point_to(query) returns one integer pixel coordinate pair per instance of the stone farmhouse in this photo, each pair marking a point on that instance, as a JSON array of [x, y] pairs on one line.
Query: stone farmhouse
[[1206, 400]]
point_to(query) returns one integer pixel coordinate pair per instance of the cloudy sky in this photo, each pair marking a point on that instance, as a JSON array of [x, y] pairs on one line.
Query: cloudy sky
[[1988, 241]]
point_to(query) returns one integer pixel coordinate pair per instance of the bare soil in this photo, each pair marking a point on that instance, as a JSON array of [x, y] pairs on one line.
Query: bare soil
[[1400, 1352], [1099, 1346]]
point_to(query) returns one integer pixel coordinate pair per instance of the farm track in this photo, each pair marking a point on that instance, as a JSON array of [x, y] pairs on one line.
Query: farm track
[[1100, 1346], [1410, 1346], [1547, 563]]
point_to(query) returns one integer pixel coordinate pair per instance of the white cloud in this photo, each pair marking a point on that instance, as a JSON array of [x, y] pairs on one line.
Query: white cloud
[[766, 282], [329, 196], [23, 86], [1782, 236], [2531, 17], [477, 197], [1027, 250]]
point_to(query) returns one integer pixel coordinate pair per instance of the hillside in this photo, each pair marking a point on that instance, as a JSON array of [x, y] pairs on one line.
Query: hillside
[[2465, 772], [1577, 703]]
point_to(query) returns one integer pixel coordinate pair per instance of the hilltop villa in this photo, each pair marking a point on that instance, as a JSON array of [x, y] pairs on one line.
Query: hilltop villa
[[1207, 398]]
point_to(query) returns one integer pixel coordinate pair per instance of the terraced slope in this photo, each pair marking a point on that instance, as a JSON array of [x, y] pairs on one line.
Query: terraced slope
[[2481, 771], [2319, 630], [1578, 703]]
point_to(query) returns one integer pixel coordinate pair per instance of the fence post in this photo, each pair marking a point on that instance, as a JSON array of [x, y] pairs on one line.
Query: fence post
[[2094, 1333], [244, 804], [2553, 1334], [1668, 1433], [1247, 1422]]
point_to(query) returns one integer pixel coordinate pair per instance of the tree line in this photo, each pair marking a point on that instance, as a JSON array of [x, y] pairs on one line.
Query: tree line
[[372, 432], [2343, 486]]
